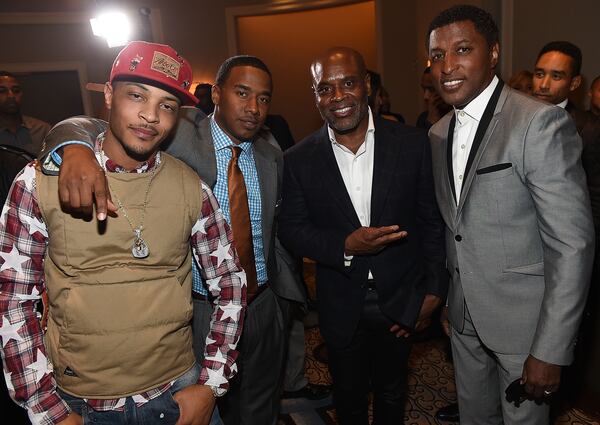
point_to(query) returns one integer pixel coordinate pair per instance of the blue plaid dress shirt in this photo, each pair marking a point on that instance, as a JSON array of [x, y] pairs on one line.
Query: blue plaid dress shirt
[[246, 163]]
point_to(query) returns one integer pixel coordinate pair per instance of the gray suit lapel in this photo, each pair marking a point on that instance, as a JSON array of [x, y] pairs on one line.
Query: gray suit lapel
[[482, 138], [206, 156], [439, 148], [446, 189], [471, 172], [266, 167]]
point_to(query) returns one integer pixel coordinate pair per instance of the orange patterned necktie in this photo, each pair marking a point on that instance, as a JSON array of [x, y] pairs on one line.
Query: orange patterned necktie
[[240, 218]]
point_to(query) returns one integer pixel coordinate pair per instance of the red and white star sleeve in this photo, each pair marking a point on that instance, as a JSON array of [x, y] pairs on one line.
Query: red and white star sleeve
[[23, 237], [220, 268]]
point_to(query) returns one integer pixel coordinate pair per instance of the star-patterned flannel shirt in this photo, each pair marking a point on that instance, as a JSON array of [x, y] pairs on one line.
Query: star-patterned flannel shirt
[[23, 238]]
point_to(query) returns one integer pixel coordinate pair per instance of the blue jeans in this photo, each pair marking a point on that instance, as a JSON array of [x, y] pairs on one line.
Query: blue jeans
[[162, 410]]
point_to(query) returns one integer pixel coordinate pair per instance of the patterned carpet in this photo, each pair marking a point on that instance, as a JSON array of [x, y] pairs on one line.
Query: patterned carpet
[[430, 382], [430, 386]]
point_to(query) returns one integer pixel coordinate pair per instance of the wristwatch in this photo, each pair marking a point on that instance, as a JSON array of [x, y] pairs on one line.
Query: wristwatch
[[217, 391]]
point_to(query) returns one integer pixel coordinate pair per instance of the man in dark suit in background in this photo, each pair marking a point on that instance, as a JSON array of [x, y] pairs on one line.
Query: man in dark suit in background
[[18, 130], [557, 74], [435, 107], [203, 93], [280, 129], [358, 199]]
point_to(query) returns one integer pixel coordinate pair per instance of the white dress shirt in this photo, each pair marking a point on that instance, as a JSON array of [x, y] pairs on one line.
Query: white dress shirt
[[563, 104], [467, 121], [357, 172]]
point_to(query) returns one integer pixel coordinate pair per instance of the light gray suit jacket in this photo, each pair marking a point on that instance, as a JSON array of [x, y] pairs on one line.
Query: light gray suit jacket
[[520, 240], [193, 144]]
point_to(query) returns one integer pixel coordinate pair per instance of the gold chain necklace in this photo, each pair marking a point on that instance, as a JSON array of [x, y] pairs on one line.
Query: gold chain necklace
[[140, 247]]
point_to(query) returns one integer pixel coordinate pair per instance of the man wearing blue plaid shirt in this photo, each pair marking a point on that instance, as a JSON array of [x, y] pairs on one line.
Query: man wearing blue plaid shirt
[[242, 94]]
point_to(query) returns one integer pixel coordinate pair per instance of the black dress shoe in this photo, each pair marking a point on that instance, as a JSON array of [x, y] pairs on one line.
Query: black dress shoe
[[309, 392], [321, 354], [448, 413]]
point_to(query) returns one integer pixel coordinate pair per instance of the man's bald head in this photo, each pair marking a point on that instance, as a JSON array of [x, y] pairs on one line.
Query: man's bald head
[[337, 55], [342, 86]]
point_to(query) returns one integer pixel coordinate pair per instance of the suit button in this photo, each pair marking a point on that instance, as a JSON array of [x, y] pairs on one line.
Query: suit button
[[458, 238]]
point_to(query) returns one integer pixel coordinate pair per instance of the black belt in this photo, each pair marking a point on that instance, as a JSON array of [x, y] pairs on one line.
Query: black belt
[[260, 290], [198, 296], [370, 285], [250, 297]]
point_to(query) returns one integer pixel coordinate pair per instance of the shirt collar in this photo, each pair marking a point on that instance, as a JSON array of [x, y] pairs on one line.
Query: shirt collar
[[476, 107], [370, 129], [563, 104], [222, 140], [112, 167]]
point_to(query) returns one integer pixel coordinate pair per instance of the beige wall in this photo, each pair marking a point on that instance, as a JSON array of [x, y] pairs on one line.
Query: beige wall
[[398, 37], [289, 42], [198, 29]]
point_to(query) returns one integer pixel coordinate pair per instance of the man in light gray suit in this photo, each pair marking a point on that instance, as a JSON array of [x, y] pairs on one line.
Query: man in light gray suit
[[242, 94], [519, 233]]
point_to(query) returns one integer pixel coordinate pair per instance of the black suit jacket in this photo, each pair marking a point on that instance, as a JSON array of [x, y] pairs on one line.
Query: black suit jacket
[[580, 117], [280, 130], [317, 216]]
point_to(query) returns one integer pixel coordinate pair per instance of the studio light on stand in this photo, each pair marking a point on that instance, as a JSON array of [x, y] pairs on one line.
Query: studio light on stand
[[112, 26]]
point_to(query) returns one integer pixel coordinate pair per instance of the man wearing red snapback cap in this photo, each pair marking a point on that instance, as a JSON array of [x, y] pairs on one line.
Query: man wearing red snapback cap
[[118, 344], [242, 95]]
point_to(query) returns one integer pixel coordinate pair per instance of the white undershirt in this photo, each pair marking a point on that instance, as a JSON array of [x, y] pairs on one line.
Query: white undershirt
[[467, 121], [357, 172]]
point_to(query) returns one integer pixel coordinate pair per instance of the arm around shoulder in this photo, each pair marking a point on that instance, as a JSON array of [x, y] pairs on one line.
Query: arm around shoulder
[[81, 130]]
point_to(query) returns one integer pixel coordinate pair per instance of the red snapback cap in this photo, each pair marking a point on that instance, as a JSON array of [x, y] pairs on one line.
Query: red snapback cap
[[155, 64]]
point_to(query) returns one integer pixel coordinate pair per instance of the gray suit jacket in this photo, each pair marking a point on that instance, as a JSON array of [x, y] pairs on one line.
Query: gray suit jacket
[[519, 241], [193, 144]]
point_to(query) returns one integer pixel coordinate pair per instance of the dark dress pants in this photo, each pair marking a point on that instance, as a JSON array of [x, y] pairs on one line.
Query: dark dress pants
[[376, 360], [254, 393]]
